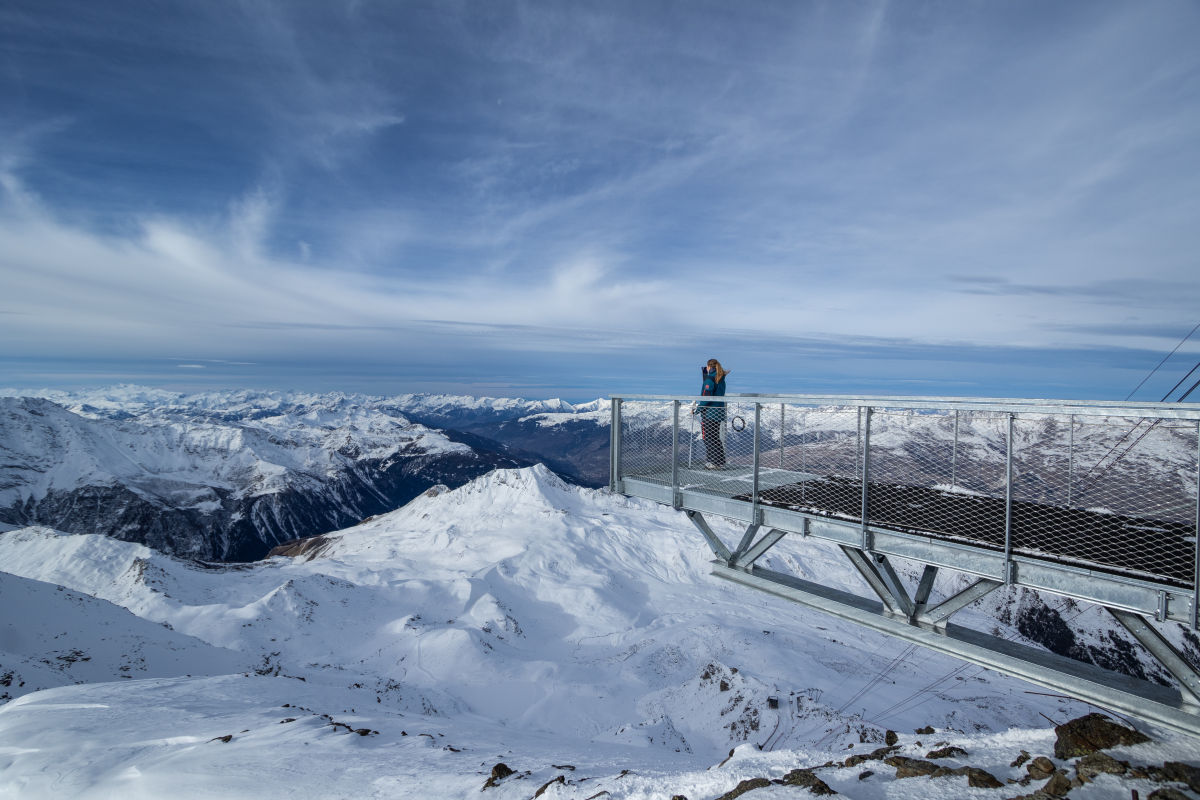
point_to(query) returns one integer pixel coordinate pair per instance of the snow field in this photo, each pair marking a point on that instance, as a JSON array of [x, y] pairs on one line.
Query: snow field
[[515, 619]]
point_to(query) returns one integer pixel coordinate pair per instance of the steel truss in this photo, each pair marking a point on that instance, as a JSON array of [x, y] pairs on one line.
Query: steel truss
[[642, 466], [912, 618]]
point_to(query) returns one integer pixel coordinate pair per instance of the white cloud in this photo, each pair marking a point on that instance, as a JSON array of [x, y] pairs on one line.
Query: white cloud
[[983, 175]]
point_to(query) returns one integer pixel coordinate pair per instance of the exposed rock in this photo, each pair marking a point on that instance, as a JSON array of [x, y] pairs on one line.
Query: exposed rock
[[745, 786], [890, 738], [946, 752], [1040, 768], [1058, 785], [874, 755], [1167, 793], [806, 779], [1021, 759], [979, 778], [548, 784], [910, 767], [862, 776], [1095, 764], [311, 547], [927, 730], [499, 773], [1091, 733], [914, 767], [1178, 772]]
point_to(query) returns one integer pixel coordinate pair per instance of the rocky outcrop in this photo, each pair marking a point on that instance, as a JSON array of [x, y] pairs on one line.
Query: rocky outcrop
[[1086, 735], [310, 548]]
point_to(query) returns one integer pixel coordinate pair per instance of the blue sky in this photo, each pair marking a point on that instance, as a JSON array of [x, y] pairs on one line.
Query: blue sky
[[577, 199]]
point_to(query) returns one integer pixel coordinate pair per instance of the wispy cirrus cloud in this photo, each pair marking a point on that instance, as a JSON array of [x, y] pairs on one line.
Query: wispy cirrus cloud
[[332, 177]]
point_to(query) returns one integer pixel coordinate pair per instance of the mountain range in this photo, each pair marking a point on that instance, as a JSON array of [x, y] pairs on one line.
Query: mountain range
[[517, 635], [226, 476]]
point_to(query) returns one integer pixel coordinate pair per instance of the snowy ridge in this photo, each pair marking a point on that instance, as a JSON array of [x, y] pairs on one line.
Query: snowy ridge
[[221, 475], [165, 455], [516, 619], [130, 400], [51, 636]]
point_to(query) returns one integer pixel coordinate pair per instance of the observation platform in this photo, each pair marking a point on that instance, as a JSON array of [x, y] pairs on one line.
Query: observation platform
[[1095, 501]]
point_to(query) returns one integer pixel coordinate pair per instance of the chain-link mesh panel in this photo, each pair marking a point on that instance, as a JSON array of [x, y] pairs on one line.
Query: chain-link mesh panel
[[719, 454], [645, 444], [1107, 492], [1115, 492], [820, 449], [938, 473]]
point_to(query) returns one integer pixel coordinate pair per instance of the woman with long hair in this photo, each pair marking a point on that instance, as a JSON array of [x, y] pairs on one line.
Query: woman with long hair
[[712, 414]]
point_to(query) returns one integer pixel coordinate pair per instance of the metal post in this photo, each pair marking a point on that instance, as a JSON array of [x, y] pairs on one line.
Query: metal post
[[858, 446], [866, 475], [691, 435], [1008, 481], [782, 432], [803, 466], [757, 450], [954, 454], [675, 450], [614, 446], [1071, 461], [1196, 533]]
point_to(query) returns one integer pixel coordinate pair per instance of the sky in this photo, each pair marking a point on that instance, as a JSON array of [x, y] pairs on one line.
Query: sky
[[567, 199]]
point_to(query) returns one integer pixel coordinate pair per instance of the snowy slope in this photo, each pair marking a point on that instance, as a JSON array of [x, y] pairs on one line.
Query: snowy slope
[[218, 476], [560, 630], [51, 636]]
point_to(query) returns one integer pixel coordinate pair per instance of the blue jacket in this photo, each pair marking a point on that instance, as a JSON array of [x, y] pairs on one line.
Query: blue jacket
[[714, 412]]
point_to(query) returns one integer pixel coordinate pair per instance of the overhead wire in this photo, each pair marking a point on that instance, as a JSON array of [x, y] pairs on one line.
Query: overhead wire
[[896, 707], [1085, 487], [1181, 380], [1167, 356]]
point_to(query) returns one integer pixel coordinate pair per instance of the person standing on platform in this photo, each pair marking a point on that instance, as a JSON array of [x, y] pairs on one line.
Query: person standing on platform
[[712, 414]]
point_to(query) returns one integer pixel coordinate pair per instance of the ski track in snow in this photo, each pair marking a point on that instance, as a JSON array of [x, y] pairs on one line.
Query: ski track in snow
[[515, 619]]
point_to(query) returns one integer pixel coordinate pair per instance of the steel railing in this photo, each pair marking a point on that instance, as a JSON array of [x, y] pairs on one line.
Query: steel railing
[[1113, 487]]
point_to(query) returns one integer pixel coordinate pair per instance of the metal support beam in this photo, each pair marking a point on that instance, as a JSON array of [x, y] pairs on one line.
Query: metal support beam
[[769, 539], [878, 573], [782, 433], [866, 479], [954, 454], [756, 465], [744, 544], [937, 616], [1153, 640], [716, 545], [614, 447], [1159, 704], [921, 598], [1196, 533], [1008, 497], [675, 452]]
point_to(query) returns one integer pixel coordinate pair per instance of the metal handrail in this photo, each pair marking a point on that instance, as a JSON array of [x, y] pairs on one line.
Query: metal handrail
[[1106, 408], [869, 406]]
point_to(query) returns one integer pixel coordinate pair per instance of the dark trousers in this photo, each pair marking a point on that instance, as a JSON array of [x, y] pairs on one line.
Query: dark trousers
[[714, 451]]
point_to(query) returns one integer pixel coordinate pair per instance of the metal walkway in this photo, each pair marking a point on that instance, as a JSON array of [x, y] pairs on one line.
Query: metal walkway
[[1094, 501]]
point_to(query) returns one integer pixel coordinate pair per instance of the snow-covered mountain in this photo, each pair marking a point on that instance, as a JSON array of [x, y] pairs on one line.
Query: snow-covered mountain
[[221, 476], [574, 636], [51, 636], [570, 439]]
